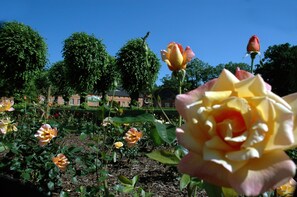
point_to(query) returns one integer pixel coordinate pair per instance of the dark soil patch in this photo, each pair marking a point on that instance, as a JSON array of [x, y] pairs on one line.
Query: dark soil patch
[[159, 179]]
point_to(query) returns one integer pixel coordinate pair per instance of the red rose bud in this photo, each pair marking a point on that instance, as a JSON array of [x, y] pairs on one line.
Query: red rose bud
[[253, 45]]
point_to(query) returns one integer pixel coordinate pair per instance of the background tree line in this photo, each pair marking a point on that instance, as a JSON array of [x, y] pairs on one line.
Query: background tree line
[[87, 68]]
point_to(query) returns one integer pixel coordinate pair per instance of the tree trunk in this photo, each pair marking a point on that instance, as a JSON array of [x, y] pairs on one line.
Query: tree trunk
[[134, 99]]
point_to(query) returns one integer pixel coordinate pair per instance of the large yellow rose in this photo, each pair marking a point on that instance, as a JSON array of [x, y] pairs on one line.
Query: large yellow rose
[[236, 131]]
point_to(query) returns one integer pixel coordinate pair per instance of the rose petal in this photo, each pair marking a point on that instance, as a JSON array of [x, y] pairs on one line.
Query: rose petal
[[191, 141], [188, 55], [260, 175], [225, 81], [206, 170], [176, 58], [292, 101], [242, 74], [182, 100], [220, 158], [251, 87]]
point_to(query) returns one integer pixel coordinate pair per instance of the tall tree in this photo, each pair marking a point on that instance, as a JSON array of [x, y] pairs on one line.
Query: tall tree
[[231, 66], [23, 53], [59, 83], [198, 72], [109, 76], [279, 68], [138, 67], [84, 56]]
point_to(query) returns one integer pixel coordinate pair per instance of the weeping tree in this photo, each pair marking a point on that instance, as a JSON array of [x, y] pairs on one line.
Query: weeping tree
[[138, 66], [84, 57], [60, 86], [23, 54]]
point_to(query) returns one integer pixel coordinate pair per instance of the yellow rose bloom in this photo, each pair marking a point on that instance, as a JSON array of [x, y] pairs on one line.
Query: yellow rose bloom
[[287, 190], [236, 131], [118, 145], [6, 104], [7, 126]]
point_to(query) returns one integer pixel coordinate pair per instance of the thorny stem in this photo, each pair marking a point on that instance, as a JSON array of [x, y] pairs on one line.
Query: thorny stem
[[167, 118], [106, 191]]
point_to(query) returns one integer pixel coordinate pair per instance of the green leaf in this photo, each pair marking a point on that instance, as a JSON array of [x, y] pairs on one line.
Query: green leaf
[[132, 119], [154, 135], [184, 181], [212, 190], [128, 189], [114, 157], [63, 194], [3, 147], [134, 180], [124, 180], [166, 132], [51, 185], [229, 192], [164, 157], [83, 136]]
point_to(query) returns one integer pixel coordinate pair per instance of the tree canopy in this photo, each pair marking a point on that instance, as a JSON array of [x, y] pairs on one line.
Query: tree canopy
[[85, 57], [279, 68], [138, 67], [58, 80], [23, 54], [109, 77]]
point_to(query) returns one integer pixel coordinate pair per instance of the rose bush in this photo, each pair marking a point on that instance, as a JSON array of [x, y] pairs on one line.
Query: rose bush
[[236, 131]]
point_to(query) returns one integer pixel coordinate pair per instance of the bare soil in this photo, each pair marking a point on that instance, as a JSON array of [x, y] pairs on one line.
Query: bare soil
[[154, 177]]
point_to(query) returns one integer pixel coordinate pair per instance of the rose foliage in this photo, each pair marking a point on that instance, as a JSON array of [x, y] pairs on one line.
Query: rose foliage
[[236, 131]]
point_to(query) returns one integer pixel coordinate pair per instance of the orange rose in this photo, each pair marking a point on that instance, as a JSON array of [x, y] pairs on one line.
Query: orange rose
[[61, 161], [132, 136], [45, 134], [176, 57]]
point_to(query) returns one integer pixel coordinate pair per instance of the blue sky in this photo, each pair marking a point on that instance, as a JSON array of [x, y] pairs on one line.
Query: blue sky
[[216, 30]]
